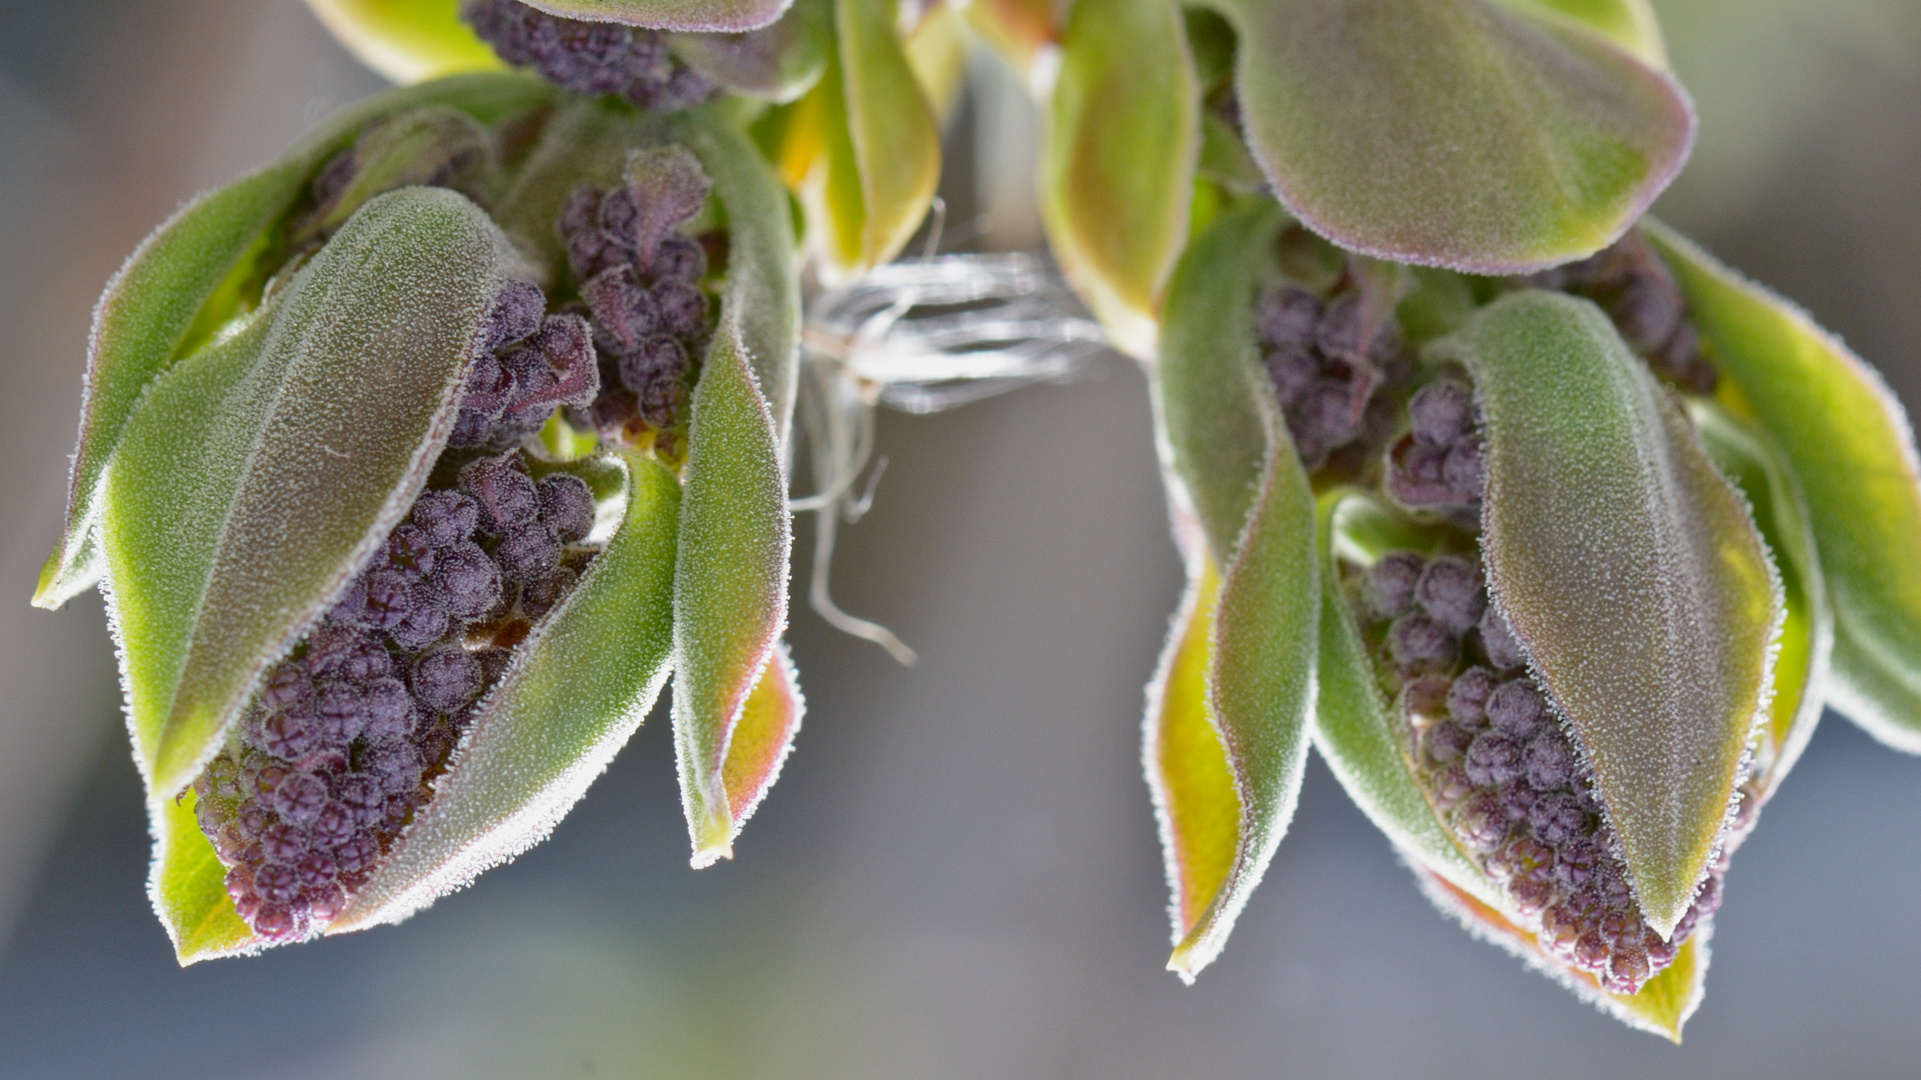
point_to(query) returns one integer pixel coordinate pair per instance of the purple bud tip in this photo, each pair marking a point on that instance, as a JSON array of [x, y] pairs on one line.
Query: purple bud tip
[[567, 506]]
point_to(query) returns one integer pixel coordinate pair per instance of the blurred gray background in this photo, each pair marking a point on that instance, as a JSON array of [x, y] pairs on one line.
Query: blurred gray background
[[958, 874]]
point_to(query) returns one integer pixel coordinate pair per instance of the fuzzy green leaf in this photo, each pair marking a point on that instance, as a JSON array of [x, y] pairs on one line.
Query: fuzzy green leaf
[[1230, 450], [896, 139], [407, 40], [1630, 24], [722, 16], [197, 271], [1848, 442], [730, 582], [1631, 573], [577, 690], [761, 740], [261, 472], [1452, 132], [1117, 169], [779, 62]]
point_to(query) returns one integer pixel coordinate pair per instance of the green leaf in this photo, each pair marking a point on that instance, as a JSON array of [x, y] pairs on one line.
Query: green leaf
[[1118, 164], [194, 274], [1451, 132], [1629, 24], [1019, 31], [730, 583], [431, 144], [577, 690], [1355, 728], [779, 62], [292, 446], [1806, 644], [407, 40], [1631, 574], [1661, 1007], [1230, 450], [1848, 443], [723, 16], [1195, 803], [768, 723], [188, 887], [895, 137]]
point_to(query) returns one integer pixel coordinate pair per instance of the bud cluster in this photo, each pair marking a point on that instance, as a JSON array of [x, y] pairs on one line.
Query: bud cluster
[[1638, 291], [529, 364], [589, 57], [1336, 373], [343, 740], [1497, 766], [640, 282]]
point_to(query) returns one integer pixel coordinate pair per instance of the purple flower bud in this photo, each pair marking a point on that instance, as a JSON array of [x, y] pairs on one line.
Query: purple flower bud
[[1467, 698], [315, 870], [447, 517], [1446, 743], [283, 843], [340, 711], [277, 883], [679, 258], [516, 314], [1515, 708], [411, 549], [1557, 820], [468, 580], [289, 735], [1498, 640], [426, 621], [286, 687], [1416, 476], [624, 314], [357, 853], [1287, 317], [1493, 759], [566, 506], [527, 552], [681, 309], [1391, 581], [299, 798], [488, 387], [446, 678], [1293, 372], [669, 186], [503, 489], [1462, 472], [1550, 763], [388, 597], [360, 794], [1452, 592], [619, 218], [1441, 413], [333, 825], [389, 709], [343, 652], [1480, 822], [1420, 644]]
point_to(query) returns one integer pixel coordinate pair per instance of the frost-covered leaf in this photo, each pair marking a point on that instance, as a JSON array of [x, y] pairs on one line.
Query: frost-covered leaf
[[433, 145], [730, 582], [1806, 643], [188, 887], [1630, 24], [1631, 574], [1355, 727], [1661, 1007], [194, 273], [407, 40], [778, 62], [261, 471], [1117, 168], [1849, 445], [577, 690], [1452, 132], [1230, 450], [722, 16]]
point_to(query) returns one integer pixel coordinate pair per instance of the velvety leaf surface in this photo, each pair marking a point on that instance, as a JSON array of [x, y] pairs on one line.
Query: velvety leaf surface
[[1630, 24], [1451, 132], [407, 40], [730, 583], [190, 276], [1355, 728], [1232, 457], [1849, 445], [768, 724], [1195, 803], [1631, 573], [1117, 168], [778, 63], [188, 887], [266, 468], [577, 691], [1806, 643], [1661, 1007], [895, 136], [724, 16]]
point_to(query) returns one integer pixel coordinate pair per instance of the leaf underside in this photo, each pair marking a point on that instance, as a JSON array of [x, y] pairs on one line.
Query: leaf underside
[[724, 16], [1632, 575]]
